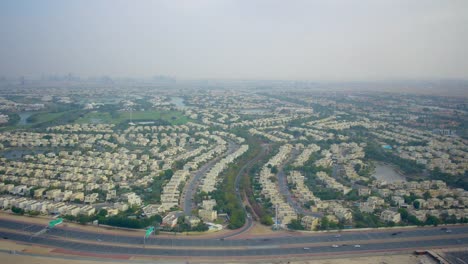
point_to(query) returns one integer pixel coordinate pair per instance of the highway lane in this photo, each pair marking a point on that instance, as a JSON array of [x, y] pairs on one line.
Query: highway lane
[[344, 237], [246, 251]]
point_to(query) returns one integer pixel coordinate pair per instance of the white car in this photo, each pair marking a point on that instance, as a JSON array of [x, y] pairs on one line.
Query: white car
[[357, 246], [335, 246], [306, 248], [337, 235]]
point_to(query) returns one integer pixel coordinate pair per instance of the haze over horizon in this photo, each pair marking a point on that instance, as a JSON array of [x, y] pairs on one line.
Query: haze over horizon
[[296, 40]]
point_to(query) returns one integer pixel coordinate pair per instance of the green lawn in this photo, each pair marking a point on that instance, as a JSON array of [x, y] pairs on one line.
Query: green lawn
[[96, 117], [46, 117], [173, 117]]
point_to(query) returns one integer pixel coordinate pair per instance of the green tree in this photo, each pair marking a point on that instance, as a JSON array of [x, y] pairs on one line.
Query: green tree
[[266, 220], [274, 169], [324, 223], [34, 213], [357, 167], [168, 173], [296, 224], [102, 213], [17, 210], [427, 195], [353, 195], [432, 220]]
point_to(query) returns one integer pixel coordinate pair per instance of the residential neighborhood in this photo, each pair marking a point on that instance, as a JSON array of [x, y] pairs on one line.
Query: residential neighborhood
[[327, 158]]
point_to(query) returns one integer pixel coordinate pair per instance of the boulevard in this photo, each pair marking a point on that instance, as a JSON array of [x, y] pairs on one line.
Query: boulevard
[[346, 242]]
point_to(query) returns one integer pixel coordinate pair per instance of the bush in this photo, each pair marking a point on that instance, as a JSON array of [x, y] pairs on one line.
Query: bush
[[17, 210], [296, 225], [33, 213], [267, 220], [432, 220], [124, 221]]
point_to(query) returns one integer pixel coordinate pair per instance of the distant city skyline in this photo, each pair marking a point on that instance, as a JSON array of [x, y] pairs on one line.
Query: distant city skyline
[[252, 40]]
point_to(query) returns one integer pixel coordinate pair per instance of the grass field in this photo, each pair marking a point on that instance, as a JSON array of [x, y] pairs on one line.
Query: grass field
[[46, 117], [173, 117]]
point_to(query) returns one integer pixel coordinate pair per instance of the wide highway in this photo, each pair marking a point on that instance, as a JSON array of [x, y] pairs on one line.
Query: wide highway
[[320, 244]]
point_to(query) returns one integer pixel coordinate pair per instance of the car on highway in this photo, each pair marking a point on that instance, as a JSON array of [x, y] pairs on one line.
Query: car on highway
[[335, 246], [306, 248], [338, 235], [448, 231], [357, 246]]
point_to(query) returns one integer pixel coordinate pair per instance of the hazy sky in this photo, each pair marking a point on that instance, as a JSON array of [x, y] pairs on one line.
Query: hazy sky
[[306, 40]]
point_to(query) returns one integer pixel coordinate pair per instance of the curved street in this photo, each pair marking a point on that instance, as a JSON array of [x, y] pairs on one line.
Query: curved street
[[286, 192], [190, 189]]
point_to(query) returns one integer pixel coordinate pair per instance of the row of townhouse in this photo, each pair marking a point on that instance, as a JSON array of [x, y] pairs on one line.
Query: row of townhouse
[[87, 184], [33, 139], [171, 191], [170, 128], [372, 203], [273, 138], [237, 139], [88, 175], [270, 188], [210, 179], [342, 125], [316, 135], [266, 121], [73, 128], [422, 215], [300, 190], [41, 193], [346, 152], [45, 207], [219, 148], [305, 155], [208, 122], [334, 208], [332, 183]]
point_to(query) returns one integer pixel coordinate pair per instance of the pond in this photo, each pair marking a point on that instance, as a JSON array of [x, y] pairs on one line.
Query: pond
[[178, 101], [386, 172], [24, 118]]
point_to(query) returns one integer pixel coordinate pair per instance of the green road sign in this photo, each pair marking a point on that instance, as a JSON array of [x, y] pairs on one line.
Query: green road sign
[[149, 231], [55, 222]]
